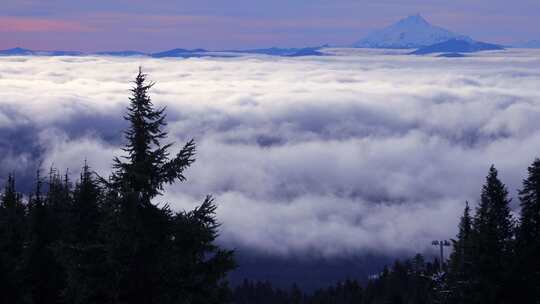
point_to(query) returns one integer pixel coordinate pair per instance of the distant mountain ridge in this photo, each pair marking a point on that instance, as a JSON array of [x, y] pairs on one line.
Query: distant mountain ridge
[[174, 53], [457, 46], [26, 52], [183, 53], [408, 33], [286, 52], [16, 51], [120, 53]]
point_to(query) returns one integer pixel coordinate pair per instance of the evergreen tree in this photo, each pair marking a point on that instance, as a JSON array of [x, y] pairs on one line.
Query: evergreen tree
[[460, 275], [420, 280], [86, 213], [58, 201], [44, 278], [145, 240], [136, 245], [526, 275], [106, 241], [197, 267], [12, 234], [492, 235], [83, 253], [147, 166]]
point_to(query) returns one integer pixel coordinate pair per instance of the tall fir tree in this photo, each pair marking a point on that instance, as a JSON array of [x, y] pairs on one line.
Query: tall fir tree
[[137, 243], [107, 241], [12, 236], [526, 263], [493, 241], [145, 241], [460, 274], [147, 167]]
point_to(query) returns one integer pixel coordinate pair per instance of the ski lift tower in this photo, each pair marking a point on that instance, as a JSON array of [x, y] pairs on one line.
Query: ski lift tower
[[441, 245]]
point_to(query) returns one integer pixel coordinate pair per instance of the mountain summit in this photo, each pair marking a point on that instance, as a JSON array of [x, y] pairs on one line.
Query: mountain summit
[[413, 20], [411, 32]]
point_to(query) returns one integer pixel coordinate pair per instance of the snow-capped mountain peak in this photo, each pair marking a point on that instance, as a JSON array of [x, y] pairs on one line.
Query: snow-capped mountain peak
[[413, 20], [411, 32]]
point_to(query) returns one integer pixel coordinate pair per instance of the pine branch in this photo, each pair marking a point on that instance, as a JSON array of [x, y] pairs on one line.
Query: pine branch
[[173, 170]]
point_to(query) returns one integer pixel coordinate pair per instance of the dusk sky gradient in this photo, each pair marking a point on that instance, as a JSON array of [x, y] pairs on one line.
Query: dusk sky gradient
[[156, 25]]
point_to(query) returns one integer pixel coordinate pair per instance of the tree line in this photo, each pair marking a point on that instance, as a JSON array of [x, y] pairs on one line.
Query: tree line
[[494, 260], [409, 281], [104, 239]]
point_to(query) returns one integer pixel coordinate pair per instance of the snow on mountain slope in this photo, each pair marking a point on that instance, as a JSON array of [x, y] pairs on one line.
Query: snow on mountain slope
[[411, 32]]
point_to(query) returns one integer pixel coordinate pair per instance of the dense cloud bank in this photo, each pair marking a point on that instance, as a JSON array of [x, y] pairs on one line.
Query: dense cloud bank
[[350, 154]]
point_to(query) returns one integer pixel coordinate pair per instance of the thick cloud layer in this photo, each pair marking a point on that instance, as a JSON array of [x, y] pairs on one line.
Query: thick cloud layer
[[362, 152]]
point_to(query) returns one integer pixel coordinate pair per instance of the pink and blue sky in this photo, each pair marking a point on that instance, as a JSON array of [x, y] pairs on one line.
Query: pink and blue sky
[[153, 25]]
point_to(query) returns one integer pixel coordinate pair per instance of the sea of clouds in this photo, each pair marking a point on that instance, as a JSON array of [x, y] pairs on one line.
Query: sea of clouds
[[359, 152]]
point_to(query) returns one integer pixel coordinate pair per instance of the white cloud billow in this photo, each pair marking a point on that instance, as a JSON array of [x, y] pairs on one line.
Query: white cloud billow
[[338, 155]]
